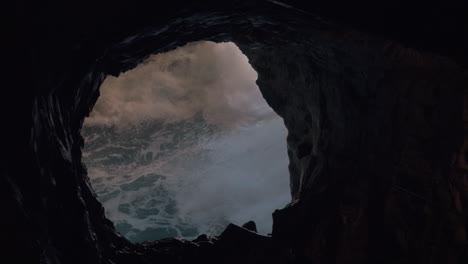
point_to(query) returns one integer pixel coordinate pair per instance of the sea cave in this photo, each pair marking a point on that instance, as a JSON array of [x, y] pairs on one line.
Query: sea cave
[[373, 99]]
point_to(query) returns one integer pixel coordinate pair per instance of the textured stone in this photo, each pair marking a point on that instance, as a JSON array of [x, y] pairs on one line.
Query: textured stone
[[377, 129]]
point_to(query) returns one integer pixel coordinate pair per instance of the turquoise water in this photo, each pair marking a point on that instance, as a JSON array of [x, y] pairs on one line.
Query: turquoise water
[[185, 144]]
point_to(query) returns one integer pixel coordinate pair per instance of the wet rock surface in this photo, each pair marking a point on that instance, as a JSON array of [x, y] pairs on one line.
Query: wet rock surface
[[377, 132]]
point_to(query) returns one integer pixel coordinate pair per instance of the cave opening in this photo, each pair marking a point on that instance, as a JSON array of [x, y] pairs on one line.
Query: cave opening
[[185, 144]]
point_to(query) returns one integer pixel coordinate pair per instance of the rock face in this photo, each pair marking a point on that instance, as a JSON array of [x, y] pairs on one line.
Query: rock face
[[377, 132]]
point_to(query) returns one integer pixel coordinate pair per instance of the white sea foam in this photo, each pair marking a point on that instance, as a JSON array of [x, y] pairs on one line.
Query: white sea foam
[[185, 144]]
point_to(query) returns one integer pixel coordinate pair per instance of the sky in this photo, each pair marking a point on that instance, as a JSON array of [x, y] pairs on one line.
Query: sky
[[235, 174]]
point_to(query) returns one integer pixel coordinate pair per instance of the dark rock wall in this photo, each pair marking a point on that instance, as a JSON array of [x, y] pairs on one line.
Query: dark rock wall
[[377, 134], [373, 137]]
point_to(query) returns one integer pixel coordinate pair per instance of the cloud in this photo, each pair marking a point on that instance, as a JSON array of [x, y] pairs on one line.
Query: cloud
[[215, 79]]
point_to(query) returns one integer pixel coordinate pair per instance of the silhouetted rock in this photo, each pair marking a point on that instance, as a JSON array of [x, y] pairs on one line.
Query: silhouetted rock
[[377, 129], [250, 225], [200, 238]]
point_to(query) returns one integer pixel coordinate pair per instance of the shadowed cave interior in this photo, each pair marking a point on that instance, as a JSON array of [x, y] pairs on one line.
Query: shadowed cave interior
[[373, 97], [179, 146]]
